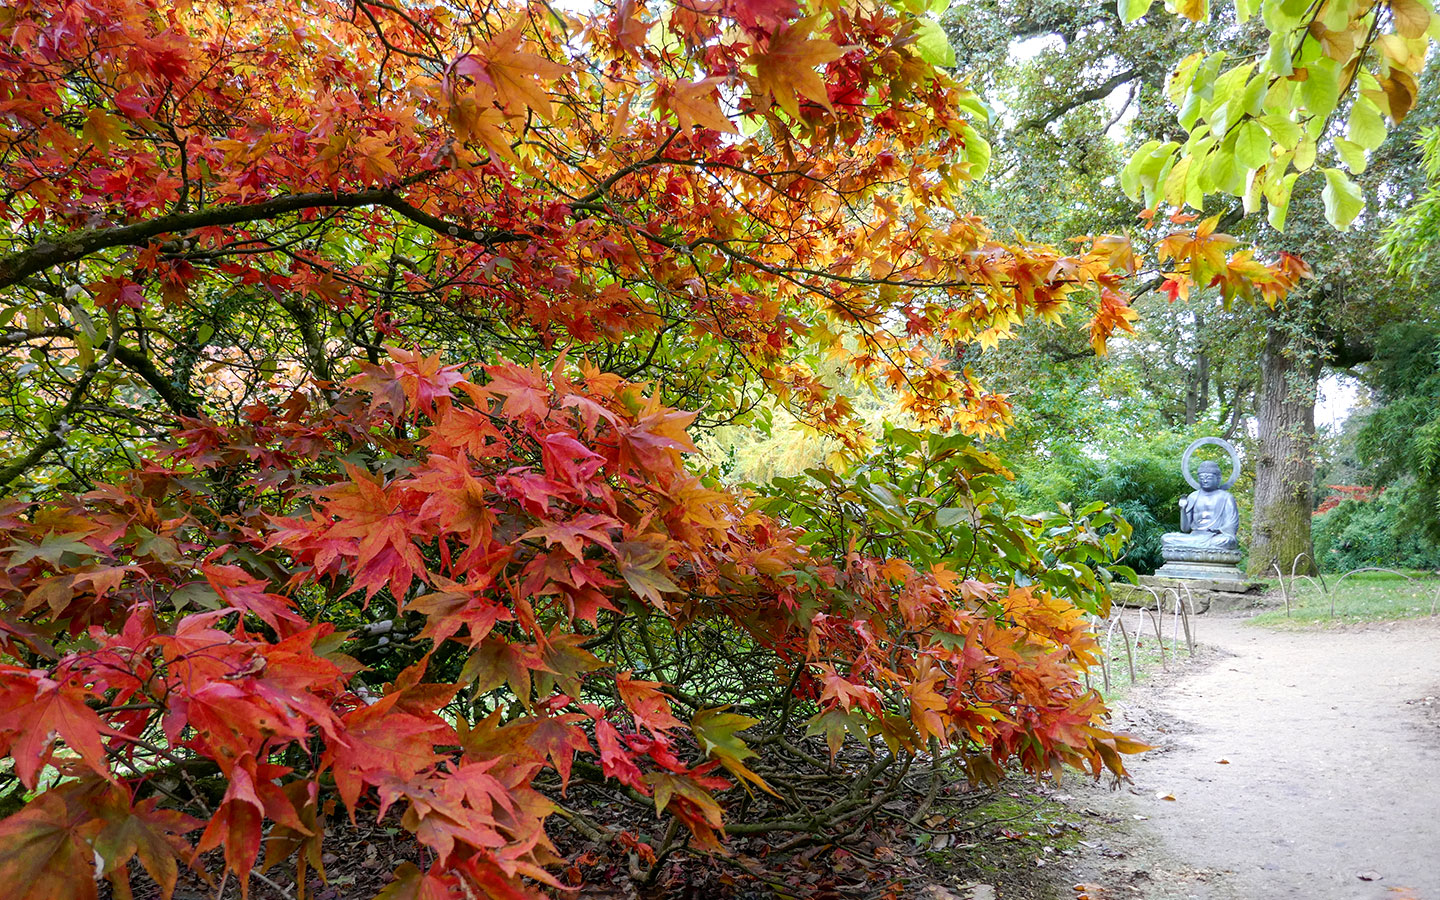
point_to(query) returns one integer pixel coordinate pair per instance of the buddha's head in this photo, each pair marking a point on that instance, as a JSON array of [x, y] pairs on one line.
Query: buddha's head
[[1208, 475]]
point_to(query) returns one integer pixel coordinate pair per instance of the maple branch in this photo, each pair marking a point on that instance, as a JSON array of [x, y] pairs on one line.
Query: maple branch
[[54, 437], [135, 360], [178, 400], [12, 338], [604, 186], [77, 245]]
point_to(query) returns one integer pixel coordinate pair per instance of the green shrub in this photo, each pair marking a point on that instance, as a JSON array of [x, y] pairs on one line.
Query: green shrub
[[1386, 531], [1141, 479]]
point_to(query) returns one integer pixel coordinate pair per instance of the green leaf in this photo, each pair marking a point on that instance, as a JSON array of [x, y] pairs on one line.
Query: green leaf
[[1194, 194], [1285, 14], [1280, 97], [1207, 76], [1280, 202], [1130, 10], [1279, 61], [1152, 171], [1252, 99], [1254, 184], [1336, 16], [1343, 199], [1219, 119], [1175, 183], [1367, 125], [1321, 90], [1190, 110], [1285, 132], [716, 729], [1252, 145], [1221, 173], [932, 44], [1352, 155], [977, 149], [1182, 77], [1130, 175], [971, 103], [1305, 155], [949, 516], [834, 724]]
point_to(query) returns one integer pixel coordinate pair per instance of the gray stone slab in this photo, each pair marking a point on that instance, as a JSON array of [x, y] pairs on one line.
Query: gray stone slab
[[1201, 571]]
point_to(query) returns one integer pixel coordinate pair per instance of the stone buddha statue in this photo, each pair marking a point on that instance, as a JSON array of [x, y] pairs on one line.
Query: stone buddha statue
[[1209, 517], [1206, 547]]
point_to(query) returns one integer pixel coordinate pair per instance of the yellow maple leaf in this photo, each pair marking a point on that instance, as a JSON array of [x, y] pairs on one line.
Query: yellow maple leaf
[[693, 104], [517, 76], [786, 69]]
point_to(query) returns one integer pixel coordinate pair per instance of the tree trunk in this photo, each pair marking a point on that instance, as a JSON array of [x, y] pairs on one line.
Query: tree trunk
[[1285, 471]]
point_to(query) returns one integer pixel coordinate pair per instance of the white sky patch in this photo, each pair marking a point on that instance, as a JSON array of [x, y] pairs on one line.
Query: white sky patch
[[1031, 47], [1336, 400]]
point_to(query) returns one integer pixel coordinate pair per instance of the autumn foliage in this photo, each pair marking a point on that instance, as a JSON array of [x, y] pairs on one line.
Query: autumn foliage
[[367, 345]]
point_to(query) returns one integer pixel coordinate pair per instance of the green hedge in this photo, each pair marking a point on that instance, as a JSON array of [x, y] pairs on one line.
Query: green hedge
[[1387, 531]]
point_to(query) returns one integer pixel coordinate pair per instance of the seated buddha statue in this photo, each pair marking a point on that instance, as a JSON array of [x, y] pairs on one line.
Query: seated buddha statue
[[1209, 517]]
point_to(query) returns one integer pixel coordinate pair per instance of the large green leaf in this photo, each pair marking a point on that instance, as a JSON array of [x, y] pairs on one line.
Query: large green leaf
[[1280, 202], [1343, 199], [1352, 154], [1367, 124], [932, 44], [1252, 145], [1320, 90], [1130, 10]]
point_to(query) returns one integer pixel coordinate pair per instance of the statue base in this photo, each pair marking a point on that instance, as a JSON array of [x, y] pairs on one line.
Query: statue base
[[1193, 564], [1200, 596], [1200, 571]]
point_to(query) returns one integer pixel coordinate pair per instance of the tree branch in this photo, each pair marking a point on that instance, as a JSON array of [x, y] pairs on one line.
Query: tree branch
[[76, 246], [55, 436], [1098, 92]]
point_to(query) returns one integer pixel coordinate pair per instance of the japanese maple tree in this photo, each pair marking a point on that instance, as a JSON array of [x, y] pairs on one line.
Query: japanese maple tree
[[353, 362]]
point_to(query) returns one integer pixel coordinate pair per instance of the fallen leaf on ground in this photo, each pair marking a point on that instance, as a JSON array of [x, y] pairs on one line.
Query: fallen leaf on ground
[[1164, 795], [1222, 762]]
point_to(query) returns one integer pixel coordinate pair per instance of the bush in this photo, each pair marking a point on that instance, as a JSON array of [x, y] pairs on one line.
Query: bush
[[528, 592], [1383, 532]]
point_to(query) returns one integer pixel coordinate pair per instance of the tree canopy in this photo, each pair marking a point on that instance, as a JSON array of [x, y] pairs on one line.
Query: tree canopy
[[352, 358]]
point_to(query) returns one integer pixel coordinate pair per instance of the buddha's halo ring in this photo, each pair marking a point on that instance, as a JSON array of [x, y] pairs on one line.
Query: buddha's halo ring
[[1223, 444]]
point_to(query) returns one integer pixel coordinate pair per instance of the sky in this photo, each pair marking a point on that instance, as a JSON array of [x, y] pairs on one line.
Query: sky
[[1339, 395]]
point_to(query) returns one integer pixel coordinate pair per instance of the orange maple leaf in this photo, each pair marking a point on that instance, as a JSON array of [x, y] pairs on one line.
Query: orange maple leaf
[[517, 76], [693, 104], [786, 69]]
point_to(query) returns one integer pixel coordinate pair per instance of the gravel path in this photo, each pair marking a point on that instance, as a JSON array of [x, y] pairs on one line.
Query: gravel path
[[1331, 785]]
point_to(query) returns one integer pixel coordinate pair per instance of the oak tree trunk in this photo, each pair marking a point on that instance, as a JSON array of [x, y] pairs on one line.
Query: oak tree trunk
[[1285, 471]]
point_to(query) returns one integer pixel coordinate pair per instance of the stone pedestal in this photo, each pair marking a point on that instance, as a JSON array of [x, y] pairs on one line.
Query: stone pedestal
[[1201, 565], [1222, 595]]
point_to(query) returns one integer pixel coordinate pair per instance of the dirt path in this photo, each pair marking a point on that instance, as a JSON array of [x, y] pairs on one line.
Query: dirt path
[[1332, 786]]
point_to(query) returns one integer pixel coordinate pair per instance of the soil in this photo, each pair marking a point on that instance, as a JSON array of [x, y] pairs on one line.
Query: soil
[[1289, 764]]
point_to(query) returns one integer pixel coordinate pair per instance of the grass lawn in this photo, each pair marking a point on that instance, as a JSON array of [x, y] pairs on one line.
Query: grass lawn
[[1362, 597]]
